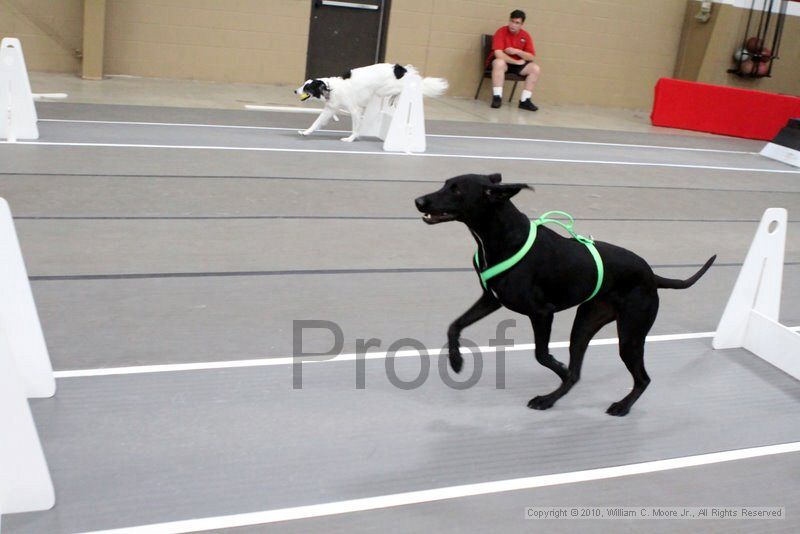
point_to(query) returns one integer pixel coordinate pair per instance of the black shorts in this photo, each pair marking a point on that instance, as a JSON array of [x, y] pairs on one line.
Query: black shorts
[[516, 69]]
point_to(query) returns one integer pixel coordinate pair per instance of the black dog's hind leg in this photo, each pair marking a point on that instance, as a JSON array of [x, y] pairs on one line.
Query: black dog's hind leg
[[589, 319], [542, 324], [483, 307], [633, 324]]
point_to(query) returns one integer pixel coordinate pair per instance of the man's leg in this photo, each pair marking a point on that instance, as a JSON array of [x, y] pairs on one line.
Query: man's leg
[[499, 68], [531, 73]]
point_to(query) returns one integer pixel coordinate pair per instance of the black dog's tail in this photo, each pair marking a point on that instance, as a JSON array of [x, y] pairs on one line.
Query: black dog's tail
[[671, 283]]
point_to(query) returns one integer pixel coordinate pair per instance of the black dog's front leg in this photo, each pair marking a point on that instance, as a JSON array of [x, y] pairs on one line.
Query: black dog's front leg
[[542, 324], [483, 307]]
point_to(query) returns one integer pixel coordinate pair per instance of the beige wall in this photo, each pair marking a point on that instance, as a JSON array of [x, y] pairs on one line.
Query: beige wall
[[601, 52], [259, 41], [49, 30], [598, 52]]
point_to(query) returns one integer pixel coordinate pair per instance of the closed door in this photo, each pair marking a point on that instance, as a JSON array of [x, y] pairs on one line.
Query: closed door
[[344, 35]]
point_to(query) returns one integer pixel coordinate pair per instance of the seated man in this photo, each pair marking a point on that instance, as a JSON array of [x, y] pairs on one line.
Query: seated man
[[512, 51]]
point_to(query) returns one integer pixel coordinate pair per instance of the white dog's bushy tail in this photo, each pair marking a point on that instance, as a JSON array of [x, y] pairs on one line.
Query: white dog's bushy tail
[[430, 86], [434, 86]]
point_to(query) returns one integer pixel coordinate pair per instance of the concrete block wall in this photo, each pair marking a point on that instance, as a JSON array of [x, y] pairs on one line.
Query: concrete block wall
[[50, 32], [252, 41], [597, 52]]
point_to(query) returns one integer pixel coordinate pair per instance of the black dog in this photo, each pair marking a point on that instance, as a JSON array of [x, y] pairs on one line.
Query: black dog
[[556, 274]]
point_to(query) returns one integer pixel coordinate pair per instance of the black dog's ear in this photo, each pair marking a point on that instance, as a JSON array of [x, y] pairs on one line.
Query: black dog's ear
[[501, 193], [495, 178]]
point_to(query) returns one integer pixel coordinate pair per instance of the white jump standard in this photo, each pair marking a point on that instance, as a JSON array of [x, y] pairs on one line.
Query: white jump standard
[[25, 371], [16, 100], [18, 119], [750, 319]]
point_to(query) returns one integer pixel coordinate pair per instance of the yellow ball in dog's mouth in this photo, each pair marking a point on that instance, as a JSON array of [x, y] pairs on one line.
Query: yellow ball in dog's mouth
[[304, 96]]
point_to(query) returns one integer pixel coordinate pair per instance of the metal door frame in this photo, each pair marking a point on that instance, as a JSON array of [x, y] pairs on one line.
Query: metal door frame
[[384, 7]]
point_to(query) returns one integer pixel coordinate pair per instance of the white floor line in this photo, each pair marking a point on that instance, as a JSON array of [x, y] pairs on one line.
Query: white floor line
[[267, 362], [596, 143], [286, 109], [452, 492], [447, 136], [396, 154]]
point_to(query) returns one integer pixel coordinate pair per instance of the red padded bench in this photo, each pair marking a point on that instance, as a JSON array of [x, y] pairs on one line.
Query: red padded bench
[[721, 110]]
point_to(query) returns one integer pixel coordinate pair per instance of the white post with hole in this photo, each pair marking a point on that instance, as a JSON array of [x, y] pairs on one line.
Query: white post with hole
[[750, 319], [16, 100]]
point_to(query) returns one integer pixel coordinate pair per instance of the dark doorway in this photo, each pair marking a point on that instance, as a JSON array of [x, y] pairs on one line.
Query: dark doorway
[[345, 34]]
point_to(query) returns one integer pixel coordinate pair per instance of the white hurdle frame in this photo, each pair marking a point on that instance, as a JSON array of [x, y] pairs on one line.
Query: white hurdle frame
[[25, 371], [19, 117], [750, 319], [401, 125]]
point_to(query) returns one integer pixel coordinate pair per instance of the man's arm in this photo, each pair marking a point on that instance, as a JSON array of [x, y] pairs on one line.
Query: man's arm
[[501, 54], [526, 56], [527, 52], [497, 47]]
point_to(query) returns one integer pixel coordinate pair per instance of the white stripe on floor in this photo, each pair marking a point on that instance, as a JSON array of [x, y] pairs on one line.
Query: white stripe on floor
[[452, 492], [285, 109], [266, 362], [447, 136], [381, 153]]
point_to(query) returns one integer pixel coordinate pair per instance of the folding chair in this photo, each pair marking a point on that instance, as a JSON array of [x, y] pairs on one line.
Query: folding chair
[[486, 49]]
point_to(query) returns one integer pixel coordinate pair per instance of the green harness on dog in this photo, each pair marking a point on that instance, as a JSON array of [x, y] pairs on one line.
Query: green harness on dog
[[501, 267]]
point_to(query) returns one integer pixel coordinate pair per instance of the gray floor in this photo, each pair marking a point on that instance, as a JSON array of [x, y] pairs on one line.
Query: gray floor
[[143, 256], [773, 480]]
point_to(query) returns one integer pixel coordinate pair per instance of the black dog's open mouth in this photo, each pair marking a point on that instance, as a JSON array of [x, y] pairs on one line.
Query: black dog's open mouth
[[441, 217]]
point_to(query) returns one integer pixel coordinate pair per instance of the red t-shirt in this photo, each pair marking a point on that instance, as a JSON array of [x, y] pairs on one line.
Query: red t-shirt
[[503, 39]]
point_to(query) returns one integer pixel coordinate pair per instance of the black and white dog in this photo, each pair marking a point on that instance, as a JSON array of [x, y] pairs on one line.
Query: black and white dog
[[352, 92]]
